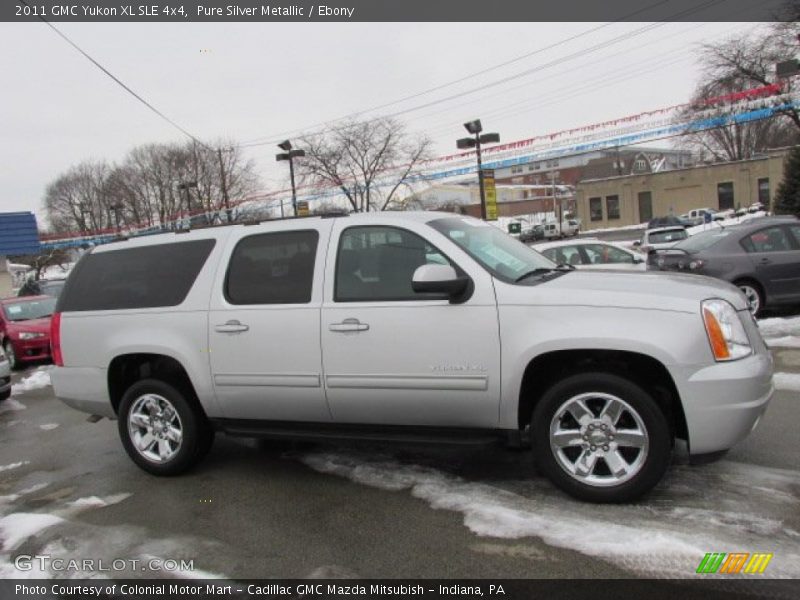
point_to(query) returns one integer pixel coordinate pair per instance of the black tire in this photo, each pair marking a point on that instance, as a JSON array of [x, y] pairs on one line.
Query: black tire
[[750, 284], [5, 395], [197, 435], [655, 424], [11, 356]]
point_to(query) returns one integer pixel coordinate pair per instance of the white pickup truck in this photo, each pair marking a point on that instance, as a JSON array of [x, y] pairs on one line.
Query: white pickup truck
[[407, 327]]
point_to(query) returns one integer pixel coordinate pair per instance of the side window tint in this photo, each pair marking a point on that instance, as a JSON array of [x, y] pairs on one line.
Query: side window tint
[[795, 229], [272, 268], [378, 263], [772, 239], [600, 254]]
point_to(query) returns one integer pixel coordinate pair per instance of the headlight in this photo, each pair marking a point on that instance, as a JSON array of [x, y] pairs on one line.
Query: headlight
[[30, 335], [725, 330]]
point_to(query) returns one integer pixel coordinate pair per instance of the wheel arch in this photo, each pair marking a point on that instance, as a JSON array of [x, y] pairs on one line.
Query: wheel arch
[[126, 369], [649, 373]]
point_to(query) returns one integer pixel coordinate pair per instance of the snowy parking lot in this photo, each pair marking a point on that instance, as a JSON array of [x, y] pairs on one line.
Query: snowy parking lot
[[68, 491]]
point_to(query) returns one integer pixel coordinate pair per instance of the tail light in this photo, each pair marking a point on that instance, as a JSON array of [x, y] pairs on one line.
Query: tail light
[[55, 340]]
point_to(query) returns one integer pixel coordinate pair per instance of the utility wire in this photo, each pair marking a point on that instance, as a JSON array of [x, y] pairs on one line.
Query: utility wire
[[120, 82], [503, 80]]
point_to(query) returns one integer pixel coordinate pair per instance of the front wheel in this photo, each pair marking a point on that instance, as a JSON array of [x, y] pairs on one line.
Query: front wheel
[[752, 292], [601, 437], [13, 363], [160, 429]]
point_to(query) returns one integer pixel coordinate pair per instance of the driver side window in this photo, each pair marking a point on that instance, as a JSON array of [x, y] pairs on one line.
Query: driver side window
[[378, 263]]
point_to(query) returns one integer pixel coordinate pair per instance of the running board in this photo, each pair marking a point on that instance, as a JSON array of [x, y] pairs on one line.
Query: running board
[[406, 434]]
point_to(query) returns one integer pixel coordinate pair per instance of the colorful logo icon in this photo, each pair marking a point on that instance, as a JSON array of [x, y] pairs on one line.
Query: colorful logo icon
[[734, 562]]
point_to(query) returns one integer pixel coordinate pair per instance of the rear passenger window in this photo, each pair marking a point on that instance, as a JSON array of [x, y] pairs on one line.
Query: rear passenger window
[[143, 277], [772, 239], [272, 268], [378, 263]]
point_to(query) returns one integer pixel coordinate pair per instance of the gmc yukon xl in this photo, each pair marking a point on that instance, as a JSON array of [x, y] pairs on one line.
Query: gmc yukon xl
[[406, 326]]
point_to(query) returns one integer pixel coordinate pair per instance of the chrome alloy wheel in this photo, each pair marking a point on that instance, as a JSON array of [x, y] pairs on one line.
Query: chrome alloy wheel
[[599, 439], [753, 299], [155, 428]]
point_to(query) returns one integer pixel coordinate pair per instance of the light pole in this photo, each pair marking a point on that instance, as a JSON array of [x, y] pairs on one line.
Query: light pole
[[185, 186], [116, 207], [290, 155], [475, 128]]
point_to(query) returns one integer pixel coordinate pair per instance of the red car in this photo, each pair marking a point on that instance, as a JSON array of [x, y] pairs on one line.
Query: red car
[[25, 328]]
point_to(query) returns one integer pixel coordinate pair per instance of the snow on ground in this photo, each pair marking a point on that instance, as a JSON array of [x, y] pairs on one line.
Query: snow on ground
[[18, 527], [15, 465], [788, 341], [787, 381], [97, 502], [650, 538], [11, 404], [779, 327], [39, 379], [725, 223]]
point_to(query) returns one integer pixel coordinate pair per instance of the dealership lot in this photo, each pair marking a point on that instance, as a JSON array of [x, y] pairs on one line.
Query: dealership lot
[[67, 490]]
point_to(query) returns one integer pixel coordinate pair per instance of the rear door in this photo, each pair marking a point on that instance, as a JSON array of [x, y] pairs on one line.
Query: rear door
[[264, 323], [775, 256], [395, 357]]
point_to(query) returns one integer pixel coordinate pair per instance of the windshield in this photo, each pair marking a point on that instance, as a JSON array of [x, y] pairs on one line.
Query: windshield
[[30, 309], [503, 256], [664, 237], [703, 240]]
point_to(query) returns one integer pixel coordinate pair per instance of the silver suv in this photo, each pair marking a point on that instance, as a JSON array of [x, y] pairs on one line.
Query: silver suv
[[406, 326]]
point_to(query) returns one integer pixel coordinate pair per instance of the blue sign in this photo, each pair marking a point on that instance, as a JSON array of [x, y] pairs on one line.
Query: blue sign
[[18, 234]]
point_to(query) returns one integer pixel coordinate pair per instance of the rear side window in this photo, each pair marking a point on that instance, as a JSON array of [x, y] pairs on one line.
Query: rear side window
[[144, 277], [272, 268]]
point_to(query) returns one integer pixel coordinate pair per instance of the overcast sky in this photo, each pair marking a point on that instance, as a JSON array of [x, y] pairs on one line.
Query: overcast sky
[[246, 81]]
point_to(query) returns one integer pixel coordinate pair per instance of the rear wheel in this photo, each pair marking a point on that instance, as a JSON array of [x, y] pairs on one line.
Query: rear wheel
[[752, 292], [161, 430], [601, 437]]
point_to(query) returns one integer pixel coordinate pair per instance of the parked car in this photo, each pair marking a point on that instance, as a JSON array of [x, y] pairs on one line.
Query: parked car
[[42, 287], [422, 326], [568, 228], [25, 328], [668, 221], [592, 254], [697, 216], [660, 238], [761, 257], [5, 376], [532, 234]]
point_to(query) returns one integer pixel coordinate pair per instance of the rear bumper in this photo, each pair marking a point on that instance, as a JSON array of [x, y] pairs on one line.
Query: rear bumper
[[724, 402], [84, 389]]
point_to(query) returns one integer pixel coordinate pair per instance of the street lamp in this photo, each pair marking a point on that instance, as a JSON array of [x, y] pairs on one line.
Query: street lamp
[[475, 128], [186, 186], [290, 155]]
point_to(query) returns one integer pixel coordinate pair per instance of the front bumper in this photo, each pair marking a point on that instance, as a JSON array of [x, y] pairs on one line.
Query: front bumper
[[724, 402], [29, 350]]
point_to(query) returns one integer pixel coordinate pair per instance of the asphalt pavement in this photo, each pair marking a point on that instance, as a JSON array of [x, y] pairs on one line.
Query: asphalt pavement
[[68, 490]]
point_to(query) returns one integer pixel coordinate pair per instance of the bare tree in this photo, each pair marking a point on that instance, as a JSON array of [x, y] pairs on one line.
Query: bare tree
[[367, 161], [735, 65]]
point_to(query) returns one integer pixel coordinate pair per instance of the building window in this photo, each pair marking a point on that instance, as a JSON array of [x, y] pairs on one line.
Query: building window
[[596, 209], [725, 195], [763, 191], [640, 165], [515, 170], [537, 166], [612, 206], [531, 167]]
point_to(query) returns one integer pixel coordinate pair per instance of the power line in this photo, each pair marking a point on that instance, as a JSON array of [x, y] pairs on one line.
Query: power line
[[524, 73], [120, 82]]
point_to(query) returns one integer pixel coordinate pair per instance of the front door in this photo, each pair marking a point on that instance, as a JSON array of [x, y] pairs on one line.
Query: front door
[[396, 357], [264, 325]]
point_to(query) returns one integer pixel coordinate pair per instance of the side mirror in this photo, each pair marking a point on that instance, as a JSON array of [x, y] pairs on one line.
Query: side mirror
[[637, 243], [637, 260], [438, 279]]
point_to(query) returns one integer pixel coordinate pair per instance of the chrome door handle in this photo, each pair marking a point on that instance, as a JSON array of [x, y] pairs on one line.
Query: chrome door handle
[[764, 261], [349, 325], [232, 326]]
